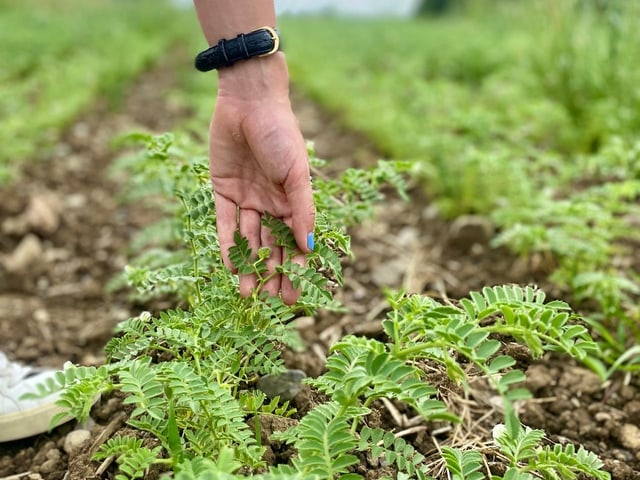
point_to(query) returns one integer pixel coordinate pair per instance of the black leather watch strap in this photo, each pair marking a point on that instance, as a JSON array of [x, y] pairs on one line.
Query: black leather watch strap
[[259, 43]]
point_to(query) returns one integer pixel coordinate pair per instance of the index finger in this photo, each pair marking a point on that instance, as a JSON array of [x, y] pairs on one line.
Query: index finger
[[227, 224]]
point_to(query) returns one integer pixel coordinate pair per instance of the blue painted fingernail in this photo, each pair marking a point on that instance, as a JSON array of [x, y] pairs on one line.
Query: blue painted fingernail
[[310, 241]]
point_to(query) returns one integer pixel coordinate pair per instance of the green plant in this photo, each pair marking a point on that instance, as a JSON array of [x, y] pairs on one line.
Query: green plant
[[422, 331], [183, 370], [463, 465], [522, 447], [189, 374], [133, 458], [584, 235], [539, 134]]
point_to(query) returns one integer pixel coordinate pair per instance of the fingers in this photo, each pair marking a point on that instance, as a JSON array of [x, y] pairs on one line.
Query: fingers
[[227, 224], [249, 223], [250, 227], [300, 197], [289, 294], [275, 259]]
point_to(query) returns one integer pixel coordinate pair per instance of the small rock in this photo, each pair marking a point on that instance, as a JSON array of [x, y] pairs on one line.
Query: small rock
[[621, 455], [629, 437], [632, 409], [468, 230], [24, 255], [286, 385], [407, 237], [51, 464], [41, 315], [75, 439], [43, 212], [627, 392], [302, 323], [538, 378], [41, 215]]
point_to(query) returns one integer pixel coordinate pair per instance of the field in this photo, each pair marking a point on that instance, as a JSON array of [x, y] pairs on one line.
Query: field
[[471, 310]]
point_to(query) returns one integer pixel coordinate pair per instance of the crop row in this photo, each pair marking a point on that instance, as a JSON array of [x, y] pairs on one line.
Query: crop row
[[57, 58], [527, 113]]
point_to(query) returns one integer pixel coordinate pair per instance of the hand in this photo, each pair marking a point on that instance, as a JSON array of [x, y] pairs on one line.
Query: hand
[[259, 164]]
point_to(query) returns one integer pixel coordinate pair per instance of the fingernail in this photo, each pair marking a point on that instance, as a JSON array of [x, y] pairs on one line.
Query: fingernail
[[310, 241]]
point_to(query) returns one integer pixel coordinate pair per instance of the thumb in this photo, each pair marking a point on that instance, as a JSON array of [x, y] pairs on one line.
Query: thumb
[[303, 214]]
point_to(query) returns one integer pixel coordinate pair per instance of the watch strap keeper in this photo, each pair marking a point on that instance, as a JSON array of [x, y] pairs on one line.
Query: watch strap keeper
[[258, 43]]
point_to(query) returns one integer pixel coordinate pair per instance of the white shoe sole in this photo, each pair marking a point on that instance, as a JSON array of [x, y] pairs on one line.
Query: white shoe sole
[[27, 423]]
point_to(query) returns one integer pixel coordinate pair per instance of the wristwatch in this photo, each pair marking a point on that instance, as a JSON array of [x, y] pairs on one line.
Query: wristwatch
[[262, 42]]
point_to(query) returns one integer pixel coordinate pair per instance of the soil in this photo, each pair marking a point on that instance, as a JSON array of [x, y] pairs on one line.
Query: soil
[[64, 236]]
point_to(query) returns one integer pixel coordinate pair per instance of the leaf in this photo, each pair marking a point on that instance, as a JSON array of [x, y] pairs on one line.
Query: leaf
[[514, 376], [487, 348], [500, 363], [241, 255]]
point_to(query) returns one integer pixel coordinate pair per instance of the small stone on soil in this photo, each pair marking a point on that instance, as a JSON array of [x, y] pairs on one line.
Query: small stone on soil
[[25, 254], [285, 385], [629, 437], [74, 440]]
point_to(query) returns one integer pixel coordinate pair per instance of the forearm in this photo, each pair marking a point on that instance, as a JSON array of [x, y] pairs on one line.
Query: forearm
[[251, 79], [227, 18]]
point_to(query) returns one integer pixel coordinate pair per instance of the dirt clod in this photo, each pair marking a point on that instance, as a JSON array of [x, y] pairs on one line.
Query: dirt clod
[[629, 437], [74, 440]]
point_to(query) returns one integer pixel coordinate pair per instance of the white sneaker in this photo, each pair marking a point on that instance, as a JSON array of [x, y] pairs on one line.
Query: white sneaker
[[24, 418]]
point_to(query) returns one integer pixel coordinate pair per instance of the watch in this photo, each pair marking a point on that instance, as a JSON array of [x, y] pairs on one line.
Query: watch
[[262, 42]]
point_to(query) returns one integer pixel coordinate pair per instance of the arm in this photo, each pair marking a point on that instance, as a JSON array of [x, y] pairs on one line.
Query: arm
[[258, 156]]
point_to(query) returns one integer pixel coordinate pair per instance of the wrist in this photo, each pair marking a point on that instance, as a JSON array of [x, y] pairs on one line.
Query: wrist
[[255, 78]]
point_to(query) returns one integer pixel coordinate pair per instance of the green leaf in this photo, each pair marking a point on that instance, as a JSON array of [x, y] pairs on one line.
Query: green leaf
[[514, 376], [500, 363], [487, 348]]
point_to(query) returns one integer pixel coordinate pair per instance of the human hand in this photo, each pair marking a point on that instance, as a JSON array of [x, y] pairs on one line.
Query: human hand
[[259, 164]]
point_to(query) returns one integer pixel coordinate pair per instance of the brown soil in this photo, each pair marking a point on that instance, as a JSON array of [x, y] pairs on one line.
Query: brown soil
[[65, 236]]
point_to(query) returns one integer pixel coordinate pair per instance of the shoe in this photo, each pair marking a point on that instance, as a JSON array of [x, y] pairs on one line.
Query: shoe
[[24, 418]]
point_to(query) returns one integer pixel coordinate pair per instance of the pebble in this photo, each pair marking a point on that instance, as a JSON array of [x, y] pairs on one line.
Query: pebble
[[302, 323], [74, 440], [627, 392], [24, 255], [286, 385], [602, 417], [539, 377], [621, 455], [51, 464], [75, 200], [629, 436], [42, 214], [632, 409]]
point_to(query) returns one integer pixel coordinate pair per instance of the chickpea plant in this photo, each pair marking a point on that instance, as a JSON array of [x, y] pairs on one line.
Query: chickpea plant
[[189, 374]]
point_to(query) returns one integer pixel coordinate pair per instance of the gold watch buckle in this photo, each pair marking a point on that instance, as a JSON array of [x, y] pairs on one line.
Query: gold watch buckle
[[276, 41]]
